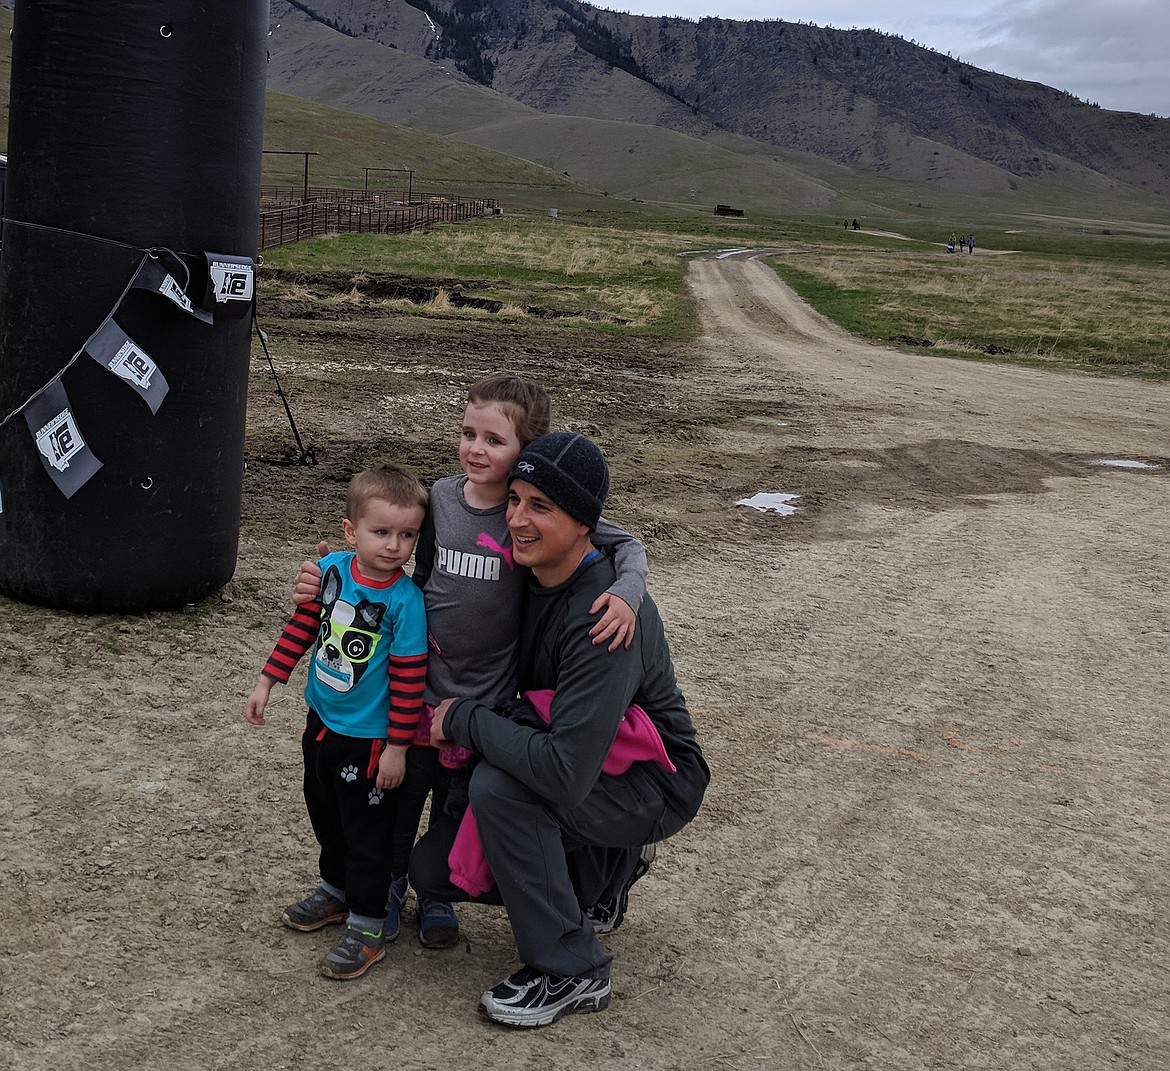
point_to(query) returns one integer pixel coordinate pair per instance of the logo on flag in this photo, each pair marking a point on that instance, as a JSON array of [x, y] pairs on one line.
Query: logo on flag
[[169, 288], [59, 441], [232, 280], [132, 365]]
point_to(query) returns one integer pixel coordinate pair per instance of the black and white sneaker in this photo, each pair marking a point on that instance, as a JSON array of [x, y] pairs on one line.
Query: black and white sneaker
[[607, 915], [531, 998]]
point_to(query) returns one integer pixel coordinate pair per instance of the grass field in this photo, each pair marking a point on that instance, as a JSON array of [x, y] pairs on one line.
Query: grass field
[[1095, 301], [1092, 302]]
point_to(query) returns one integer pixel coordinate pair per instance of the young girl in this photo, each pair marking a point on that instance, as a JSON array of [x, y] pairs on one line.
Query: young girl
[[473, 592]]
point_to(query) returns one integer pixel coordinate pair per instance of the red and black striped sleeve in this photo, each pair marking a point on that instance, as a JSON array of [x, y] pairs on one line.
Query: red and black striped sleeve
[[408, 674], [298, 636]]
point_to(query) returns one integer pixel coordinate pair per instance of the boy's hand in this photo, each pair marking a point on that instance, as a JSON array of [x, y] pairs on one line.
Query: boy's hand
[[308, 582], [392, 766], [616, 624], [258, 700]]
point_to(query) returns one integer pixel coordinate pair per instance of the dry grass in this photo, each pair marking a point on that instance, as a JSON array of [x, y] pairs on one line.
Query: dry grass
[[595, 274], [294, 292], [553, 247], [352, 297], [1083, 304], [635, 305], [1064, 310]]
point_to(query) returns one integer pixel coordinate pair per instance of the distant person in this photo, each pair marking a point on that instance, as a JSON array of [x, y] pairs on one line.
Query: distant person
[[951, 244], [368, 634], [971, 244], [565, 841], [856, 225]]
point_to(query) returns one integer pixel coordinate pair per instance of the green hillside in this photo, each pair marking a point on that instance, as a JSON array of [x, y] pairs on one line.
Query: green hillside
[[348, 144], [638, 168]]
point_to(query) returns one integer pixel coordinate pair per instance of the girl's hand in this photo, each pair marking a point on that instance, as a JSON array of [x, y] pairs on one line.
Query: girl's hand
[[616, 624], [307, 587], [392, 766], [438, 728]]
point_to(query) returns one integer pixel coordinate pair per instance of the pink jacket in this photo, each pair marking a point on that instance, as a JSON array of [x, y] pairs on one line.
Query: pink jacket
[[637, 740]]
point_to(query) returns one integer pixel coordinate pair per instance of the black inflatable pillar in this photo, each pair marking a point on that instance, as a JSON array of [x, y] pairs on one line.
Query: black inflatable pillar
[[133, 126]]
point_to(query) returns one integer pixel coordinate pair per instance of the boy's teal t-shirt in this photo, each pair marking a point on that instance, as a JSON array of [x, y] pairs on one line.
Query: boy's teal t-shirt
[[363, 623]]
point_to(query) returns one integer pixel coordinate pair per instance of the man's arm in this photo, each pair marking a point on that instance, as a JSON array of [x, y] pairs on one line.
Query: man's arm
[[307, 586], [594, 688]]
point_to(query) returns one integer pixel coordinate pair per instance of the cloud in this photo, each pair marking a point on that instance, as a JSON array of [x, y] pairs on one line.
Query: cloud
[[1114, 55]]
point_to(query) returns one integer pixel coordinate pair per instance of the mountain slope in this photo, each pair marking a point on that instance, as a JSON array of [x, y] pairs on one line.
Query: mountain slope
[[856, 97]]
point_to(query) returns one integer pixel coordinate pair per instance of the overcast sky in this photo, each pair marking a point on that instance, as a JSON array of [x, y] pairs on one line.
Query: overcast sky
[[1112, 52]]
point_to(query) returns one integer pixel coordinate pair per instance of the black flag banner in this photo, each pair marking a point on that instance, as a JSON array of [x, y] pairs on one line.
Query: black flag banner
[[151, 275], [113, 349], [66, 457], [64, 452]]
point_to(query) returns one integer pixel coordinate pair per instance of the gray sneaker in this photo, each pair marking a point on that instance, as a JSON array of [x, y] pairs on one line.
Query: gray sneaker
[[317, 909], [353, 955], [531, 998]]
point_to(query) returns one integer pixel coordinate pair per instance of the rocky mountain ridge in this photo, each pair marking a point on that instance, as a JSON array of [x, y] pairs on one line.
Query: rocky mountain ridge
[[862, 98]]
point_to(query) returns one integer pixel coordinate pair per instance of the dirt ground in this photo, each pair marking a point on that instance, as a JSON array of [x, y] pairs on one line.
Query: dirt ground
[[933, 700]]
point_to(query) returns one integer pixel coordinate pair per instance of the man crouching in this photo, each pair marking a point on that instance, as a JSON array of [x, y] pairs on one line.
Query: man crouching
[[567, 812]]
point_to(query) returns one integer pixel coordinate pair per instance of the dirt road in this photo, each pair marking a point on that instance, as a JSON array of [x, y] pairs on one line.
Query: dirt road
[[933, 700], [949, 695]]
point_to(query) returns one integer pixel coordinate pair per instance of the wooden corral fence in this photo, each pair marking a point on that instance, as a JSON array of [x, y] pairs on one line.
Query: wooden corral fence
[[286, 216]]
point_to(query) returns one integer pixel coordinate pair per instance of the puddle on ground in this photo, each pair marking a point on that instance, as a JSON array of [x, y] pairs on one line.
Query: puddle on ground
[[771, 502], [1124, 463]]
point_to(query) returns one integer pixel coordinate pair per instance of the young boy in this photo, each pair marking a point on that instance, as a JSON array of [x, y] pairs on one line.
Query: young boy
[[369, 639], [474, 591]]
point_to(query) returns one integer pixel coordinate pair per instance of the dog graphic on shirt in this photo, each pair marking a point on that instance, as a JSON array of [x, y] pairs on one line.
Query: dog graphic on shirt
[[349, 635]]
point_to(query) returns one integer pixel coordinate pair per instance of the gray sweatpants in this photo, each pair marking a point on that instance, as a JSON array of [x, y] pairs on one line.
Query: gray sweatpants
[[549, 861]]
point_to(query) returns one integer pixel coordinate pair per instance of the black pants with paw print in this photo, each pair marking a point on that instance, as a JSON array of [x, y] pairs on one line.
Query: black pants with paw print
[[352, 818]]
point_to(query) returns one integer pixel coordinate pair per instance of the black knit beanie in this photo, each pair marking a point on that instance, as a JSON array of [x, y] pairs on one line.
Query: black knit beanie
[[570, 470]]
